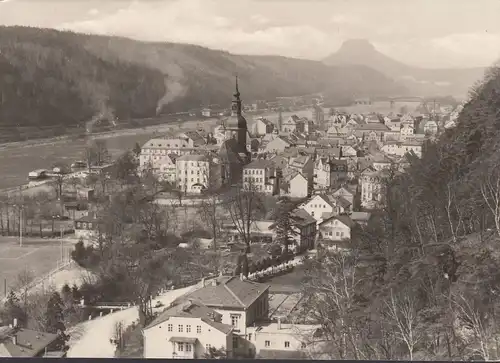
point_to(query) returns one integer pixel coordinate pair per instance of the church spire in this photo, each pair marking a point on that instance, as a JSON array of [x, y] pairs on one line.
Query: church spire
[[237, 94], [236, 107]]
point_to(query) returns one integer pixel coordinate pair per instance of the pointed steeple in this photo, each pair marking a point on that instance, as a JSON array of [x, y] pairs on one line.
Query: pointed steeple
[[236, 106]]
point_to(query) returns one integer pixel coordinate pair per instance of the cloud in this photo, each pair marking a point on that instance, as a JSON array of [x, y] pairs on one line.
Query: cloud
[[93, 12], [199, 22]]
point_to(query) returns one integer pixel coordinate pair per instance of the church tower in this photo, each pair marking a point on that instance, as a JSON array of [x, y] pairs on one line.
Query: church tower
[[238, 123]]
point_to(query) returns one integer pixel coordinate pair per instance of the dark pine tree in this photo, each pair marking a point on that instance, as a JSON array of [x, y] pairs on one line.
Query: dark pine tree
[[13, 310], [54, 320], [285, 220]]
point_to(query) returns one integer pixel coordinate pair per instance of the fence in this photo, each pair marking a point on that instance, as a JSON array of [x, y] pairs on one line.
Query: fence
[[42, 281]]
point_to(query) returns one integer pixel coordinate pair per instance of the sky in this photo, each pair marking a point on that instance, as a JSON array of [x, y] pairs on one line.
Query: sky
[[426, 33]]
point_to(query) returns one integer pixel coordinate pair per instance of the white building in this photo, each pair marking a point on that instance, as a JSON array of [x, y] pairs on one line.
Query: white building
[[157, 152], [196, 173], [260, 175], [187, 331]]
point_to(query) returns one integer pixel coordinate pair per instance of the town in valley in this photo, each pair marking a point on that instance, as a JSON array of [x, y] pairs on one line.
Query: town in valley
[[310, 222]]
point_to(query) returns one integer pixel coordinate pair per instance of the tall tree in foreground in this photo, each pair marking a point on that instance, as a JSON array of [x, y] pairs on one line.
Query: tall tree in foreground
[[244, 207], [284, 226]]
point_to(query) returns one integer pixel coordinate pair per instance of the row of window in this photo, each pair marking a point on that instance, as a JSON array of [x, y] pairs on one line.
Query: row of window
[[252, 179], [180, 328], [338, 234], [253, 171], [192, 172], [192, 180], [267, 344]]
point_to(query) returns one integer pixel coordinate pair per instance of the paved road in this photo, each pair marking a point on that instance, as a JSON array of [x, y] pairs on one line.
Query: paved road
[[91, 339]]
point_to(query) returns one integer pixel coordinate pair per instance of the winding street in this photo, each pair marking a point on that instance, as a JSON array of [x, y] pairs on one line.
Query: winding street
[[91, 339]]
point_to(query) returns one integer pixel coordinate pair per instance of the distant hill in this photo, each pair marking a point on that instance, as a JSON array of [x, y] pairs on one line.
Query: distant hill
[[63, 79], [420, 81]]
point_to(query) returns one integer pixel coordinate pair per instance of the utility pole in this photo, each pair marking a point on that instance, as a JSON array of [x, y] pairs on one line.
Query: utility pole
[[21, 208]]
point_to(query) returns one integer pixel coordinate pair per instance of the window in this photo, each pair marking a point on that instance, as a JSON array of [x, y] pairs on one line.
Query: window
[[235, 320], [249, 337], [208, 346], [181, 328], [267, 343], [170, 327], [287, 344], [198, 329], [188, 328], [180, 347], [303, 345], [189, 347]]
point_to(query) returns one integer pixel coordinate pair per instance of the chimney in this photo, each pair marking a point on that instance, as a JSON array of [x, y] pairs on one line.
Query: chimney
[[279, 323], [14, 339], [214, 282], [15, 323]]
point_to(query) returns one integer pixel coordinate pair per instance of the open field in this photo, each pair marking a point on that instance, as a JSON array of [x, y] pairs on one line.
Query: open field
[[38, 256]]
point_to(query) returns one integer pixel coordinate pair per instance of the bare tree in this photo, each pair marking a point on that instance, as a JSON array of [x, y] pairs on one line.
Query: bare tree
[[490, 191], [475, 323], [23, 283], [96, 153], [402, 312], [243, 206], [331, 286]]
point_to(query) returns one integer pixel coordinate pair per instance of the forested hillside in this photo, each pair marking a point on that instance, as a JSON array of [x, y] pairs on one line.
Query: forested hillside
[[50, 78], [424, 282]]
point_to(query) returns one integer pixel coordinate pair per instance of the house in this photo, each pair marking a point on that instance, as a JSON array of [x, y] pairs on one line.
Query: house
[[87, 228], [370, 132], [321, 206], [338, 171], [299, 186], [304, 226], [187, 330], [372, 185], [18, 342], [167, 170], [263, 126], [278, 145], [323, 177], [198, 172], [260, 175], [240, 302], [303, 164], [157, 151], [361, 218], [277, 340], [348, 151], [293, 124], [345, 193], [406, 131], [336, 228]]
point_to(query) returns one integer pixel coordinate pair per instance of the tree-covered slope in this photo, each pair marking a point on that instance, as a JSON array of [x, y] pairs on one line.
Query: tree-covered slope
[[48, 77], [423, 281]]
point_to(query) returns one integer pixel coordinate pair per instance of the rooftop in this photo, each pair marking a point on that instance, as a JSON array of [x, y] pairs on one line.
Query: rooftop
[[192, 309], [228, 292], [29, 343]]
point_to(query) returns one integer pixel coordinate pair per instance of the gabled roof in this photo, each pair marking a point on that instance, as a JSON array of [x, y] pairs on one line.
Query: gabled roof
[[29, 342], [302, 218], [229, 292], [192, 309], [343, 218], [198, 140]]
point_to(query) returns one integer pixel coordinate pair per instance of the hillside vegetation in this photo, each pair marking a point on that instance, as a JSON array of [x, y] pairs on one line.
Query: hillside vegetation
[[423, 282], [63, 79]]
